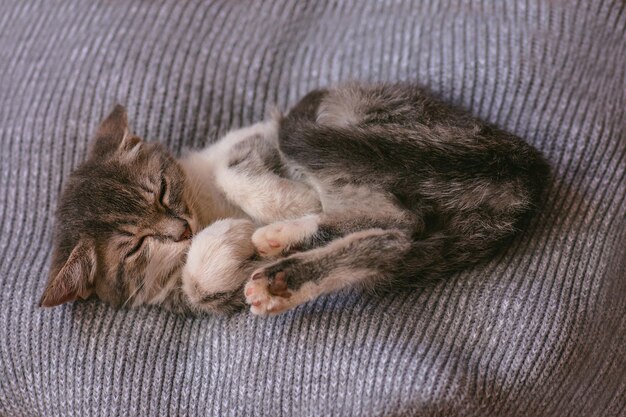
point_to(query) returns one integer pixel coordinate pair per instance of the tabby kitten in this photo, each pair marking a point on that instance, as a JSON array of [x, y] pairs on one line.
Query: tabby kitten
[[371, 186]]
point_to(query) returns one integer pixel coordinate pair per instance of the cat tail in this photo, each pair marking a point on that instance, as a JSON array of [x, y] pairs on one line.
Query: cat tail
[[317, 147]]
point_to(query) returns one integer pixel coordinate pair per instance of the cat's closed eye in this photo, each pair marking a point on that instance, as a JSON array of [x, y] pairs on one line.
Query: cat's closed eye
[[163, 192], [135, 249]]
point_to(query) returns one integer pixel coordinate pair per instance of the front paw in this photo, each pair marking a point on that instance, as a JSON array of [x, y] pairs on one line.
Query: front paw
[[217, 265], [277, 238]]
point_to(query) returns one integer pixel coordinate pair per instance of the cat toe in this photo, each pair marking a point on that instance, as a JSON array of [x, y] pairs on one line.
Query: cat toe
[[265, 296], [269, 241], [256, 292]]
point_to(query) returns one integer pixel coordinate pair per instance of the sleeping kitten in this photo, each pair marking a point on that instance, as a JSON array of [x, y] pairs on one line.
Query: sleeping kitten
[[371, 186]]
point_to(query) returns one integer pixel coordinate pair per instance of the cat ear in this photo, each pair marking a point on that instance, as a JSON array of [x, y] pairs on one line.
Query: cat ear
[[73, 279], [113, 134], [115, 124]]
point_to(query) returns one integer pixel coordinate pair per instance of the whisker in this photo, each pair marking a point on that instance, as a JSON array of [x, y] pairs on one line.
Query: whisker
[[134, 293]]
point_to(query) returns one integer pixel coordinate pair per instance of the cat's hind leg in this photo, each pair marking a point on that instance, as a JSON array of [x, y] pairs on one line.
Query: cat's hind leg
[[278, 238], [365, 258], [314, 230]]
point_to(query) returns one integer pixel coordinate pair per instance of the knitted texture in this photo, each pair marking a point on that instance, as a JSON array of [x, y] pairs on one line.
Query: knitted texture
[[539, 331]]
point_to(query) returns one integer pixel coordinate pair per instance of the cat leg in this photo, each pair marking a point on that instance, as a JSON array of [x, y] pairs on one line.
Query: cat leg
[[280, 237], [365, 258], [251, 175], [315, 230], [220, 260], [243, 174], [266, 197]]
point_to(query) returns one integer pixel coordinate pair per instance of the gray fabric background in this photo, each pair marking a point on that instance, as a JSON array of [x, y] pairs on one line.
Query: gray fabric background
[[540, 331]]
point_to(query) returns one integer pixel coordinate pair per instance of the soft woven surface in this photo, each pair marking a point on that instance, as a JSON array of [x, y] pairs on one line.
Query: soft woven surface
[[540, 331]]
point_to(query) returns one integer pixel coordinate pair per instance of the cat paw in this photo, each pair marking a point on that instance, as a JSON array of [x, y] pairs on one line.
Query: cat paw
[[268, 297], [277, 238], [214, 272]]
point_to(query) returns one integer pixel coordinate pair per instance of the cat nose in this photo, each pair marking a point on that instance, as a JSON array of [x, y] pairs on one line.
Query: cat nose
[[186, 234]]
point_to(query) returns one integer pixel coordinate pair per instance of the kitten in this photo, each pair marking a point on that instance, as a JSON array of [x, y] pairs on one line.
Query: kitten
[[371, 186]]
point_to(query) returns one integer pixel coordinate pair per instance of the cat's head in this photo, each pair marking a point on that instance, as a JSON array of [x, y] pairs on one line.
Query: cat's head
[[124, 222]]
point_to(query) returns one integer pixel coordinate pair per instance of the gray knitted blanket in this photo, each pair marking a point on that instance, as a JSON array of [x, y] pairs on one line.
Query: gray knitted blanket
[[540, 331]]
